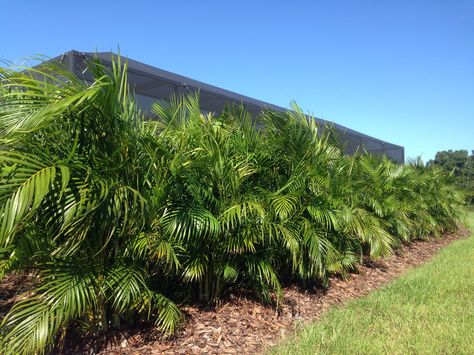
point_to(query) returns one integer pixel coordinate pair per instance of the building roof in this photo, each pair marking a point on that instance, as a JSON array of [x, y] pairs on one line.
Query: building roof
[[152, 84]]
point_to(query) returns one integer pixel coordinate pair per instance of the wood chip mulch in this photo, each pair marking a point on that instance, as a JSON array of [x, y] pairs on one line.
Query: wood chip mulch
[[241, 325]]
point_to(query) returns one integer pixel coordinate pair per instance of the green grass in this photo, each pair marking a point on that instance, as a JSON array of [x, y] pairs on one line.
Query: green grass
[[429, 310]]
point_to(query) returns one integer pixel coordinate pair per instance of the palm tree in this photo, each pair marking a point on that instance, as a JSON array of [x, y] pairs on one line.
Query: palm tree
[[215, 210], [78, 168]]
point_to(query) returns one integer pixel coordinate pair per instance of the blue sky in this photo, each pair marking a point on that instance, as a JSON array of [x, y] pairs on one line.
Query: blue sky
[[402, 71]]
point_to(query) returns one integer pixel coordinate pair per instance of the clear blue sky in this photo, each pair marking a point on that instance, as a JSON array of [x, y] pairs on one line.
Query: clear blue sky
[[402, 71]]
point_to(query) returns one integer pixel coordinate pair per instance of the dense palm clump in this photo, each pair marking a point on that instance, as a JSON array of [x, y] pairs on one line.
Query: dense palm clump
[[120, 217]]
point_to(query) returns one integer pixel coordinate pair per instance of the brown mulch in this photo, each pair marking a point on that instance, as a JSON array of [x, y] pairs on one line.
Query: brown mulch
[[242, 325], [13, 288]]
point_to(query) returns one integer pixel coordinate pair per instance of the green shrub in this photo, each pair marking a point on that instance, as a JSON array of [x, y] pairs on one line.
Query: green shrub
[[121, 217]]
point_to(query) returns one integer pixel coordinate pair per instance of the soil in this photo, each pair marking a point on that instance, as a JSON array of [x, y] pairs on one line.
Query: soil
[[242, 325]]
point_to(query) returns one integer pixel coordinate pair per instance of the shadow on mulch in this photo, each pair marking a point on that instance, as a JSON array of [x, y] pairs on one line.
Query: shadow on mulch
[[13, 288], [240, 324]]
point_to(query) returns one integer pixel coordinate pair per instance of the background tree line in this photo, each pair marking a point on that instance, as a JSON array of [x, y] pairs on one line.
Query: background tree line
[[461, 165]]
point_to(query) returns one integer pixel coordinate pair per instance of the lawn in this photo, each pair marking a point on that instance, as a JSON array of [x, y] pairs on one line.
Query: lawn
[[430, 310]]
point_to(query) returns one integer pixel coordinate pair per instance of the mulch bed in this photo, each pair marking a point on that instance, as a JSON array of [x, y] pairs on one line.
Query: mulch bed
[[242, 325], [13, 288]]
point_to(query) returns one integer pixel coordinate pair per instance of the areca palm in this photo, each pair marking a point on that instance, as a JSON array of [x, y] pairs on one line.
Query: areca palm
[[333, 225], [77, 165], [215, 208]]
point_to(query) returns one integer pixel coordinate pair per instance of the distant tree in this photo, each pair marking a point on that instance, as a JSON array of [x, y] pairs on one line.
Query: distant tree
[[461, 165]]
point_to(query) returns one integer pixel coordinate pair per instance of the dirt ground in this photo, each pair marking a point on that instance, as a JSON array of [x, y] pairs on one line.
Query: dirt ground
[[242, 325]]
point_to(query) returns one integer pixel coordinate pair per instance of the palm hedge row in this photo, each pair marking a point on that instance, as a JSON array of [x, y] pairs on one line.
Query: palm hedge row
[[120, 218]]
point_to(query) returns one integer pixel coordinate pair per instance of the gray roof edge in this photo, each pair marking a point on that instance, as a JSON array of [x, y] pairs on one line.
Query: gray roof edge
[[158, 73], [150, 70]]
